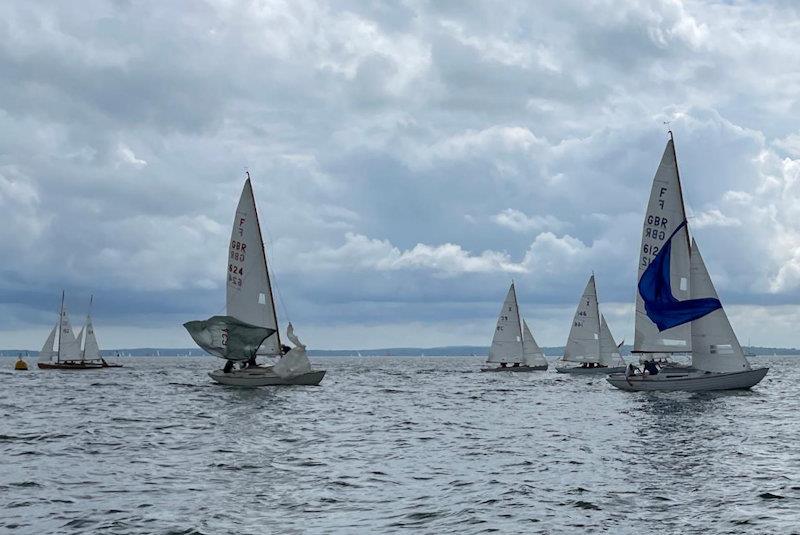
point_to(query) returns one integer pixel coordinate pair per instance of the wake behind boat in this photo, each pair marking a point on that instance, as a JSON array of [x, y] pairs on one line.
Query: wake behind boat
[[513, 342], [251, 326], [590, 344], [677, 307]]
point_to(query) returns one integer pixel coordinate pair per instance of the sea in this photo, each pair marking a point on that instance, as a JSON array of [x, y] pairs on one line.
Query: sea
[[392, 445]]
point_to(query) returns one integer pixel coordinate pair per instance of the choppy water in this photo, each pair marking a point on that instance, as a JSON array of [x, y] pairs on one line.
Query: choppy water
[[388, 445]]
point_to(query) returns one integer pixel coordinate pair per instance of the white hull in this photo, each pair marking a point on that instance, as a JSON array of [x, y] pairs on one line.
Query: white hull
[[577, 370], [264, 376], [516, 369], [688, 380]]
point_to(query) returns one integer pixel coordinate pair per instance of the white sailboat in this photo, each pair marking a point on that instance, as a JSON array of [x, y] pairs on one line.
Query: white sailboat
[[590, 343], [251, 325], [69, 355], [677, 307], [513, 342]]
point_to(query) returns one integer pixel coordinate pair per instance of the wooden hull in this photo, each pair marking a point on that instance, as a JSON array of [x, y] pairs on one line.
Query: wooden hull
[[577, 370], [689, 381], [76, 365], [517, 369], [263, 376]]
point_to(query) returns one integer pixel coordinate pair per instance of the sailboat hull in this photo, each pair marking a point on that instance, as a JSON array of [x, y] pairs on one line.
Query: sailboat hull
[[577, 370], [264, 376], [77, 365], [689, 380], [516, 369]]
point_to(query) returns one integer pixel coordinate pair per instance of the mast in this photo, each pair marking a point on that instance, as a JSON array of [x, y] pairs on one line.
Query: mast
[[680, 188], [60, 319], [266, 266]]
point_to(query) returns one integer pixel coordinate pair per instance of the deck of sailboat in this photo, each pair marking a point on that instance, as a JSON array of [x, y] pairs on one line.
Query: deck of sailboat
[[264, 376], [689, 380]]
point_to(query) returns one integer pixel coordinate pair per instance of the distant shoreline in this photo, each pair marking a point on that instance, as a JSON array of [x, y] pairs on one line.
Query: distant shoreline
[[443, 351]]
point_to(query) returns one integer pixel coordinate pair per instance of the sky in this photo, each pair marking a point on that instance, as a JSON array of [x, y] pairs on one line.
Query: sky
[[409, 160]]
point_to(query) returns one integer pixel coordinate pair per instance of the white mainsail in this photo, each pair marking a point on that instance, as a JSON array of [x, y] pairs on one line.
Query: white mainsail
[[48, 351], [609, 352], [583, 343], [249, 295], [507, 340], [531, 352], [665, 212], [91, 349], [715, 347], [68, 347]]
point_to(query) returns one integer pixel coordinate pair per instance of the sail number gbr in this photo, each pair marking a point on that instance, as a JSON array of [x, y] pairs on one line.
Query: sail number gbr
[[236, 262], [656, 230]]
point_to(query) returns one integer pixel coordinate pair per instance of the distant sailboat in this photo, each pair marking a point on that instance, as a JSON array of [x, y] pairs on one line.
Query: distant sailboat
[[513, 342], [590, 343], [677, 308], [251, 326], [70, 355]]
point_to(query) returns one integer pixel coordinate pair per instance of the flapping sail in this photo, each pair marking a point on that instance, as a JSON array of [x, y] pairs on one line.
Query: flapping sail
[[48, 351], [664, 228], [532, 353], [715, 347], [583, 343], [249, 294], [655, 290], [227, 337], [507, 340], [295, 362]]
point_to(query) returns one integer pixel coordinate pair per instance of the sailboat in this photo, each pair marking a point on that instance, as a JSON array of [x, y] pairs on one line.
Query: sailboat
[[590, 342], [250, 327], [69, 355], [513, 342], [677, 308]]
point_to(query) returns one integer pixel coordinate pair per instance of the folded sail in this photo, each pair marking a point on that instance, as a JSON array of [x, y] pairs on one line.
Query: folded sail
[[227, 337], [48, 351], [583, 343], [295, 362], [663, 227], [532, 353], [715, 347], [249, 295], [507, 340]]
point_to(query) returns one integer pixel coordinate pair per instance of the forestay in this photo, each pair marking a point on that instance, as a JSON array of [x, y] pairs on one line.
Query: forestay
[[715, 347], [249, 295], [583, 344], [507, 340], [665, 214], [532, 353]]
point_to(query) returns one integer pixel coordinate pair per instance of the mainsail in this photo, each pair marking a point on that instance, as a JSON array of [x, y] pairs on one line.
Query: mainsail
[[507, 340], [249, 294], [531, 352], [664, 228], [715, 347], [68, 347], [583, 343], [91, 349]]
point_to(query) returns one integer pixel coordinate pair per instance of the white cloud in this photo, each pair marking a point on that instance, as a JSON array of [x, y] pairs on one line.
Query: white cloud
[[520, 222], [126, 156]]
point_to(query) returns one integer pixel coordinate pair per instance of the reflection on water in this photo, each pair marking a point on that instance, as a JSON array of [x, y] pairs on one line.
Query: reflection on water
[[388, 444]]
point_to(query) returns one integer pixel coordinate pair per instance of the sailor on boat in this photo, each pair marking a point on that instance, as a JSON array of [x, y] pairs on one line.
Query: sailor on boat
[[678, 309]]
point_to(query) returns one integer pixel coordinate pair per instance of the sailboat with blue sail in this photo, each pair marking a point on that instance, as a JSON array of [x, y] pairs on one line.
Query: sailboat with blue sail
[[677, 307]]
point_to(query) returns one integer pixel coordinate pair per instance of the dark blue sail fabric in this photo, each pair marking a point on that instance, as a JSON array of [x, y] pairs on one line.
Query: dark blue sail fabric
[[661, 306]]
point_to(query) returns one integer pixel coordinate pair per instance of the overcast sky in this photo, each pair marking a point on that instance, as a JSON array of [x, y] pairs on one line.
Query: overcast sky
[[409, 159]]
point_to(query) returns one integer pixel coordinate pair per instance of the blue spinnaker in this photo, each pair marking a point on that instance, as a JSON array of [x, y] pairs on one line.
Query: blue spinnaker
[[661, 306]]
